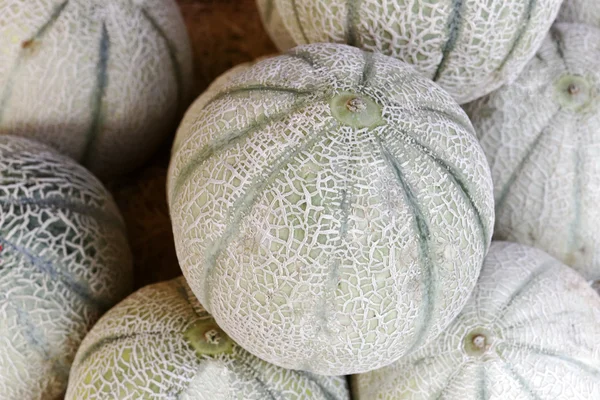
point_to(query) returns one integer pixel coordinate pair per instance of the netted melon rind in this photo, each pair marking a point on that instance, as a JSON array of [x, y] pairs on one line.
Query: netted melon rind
[[318, 245], [64, 260], [140, 349], [543, 321], [101, 81], [469, 47], [541, 136]]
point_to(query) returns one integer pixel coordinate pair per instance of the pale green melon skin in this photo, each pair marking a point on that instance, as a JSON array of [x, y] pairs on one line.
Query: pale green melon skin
[[543, 339], [105, 97], [543, 147], [580, 11], [469, 47], [64, 261], [294, 229], [139, 350]]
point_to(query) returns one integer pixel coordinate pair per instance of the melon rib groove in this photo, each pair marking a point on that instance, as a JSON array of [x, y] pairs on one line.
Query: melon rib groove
[[455, 21], [229, 139], [59, 203], [557, 38], [577, 188], [47, 268], [115, 339], [428, 282], [519, 36], [171, 49], [522, 289], [98, 95], [7, 92], [578, 363], [258, 88], [523, 163], [452, 174], [244, 203], [353, 7], [440, 394], [520, 380], [483, 395], [301, 55], [440, 113], [368, 69]]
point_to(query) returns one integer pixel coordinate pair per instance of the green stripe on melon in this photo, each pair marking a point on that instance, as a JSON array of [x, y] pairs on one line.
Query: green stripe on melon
[[333, 201], [469, 47], [161, 343], [64, 260], [101, 81], [531, 330], [541, 137]]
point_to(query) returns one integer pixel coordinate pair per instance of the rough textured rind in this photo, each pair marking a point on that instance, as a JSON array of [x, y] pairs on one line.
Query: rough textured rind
[[141, 349], [469, 47], [542, 326], [580, 11], [542, 142], [101, 81], [317, 245], [64, 260], [223, 33]]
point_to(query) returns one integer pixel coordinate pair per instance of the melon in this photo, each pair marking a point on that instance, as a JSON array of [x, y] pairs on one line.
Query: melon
[[469, 47], [331, 207], [530, 331], [64, 260], [161, 343], [223, 34], [580, 11], [541, 136], [101, 81]]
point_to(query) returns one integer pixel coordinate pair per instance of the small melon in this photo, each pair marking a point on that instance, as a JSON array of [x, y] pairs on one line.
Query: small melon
[[331, 207], [541, 136], [223, 34], [469, 47], [580, 11], [64, 260], [102, 81], [161, 343], [530, 331]]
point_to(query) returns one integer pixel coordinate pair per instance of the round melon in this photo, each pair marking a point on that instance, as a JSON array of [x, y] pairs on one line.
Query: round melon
[[161, 343], [331, 207], [469, 47], [580, 11], [64, 260], [530, 331], [102, 81], [223, 34], [542, 136]]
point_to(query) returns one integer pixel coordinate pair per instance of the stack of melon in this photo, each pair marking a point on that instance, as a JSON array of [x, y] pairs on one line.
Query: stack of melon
[[400, 205]]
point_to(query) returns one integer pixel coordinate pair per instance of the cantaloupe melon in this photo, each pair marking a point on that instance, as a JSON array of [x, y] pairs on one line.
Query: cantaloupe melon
[[223, 34], [530, 331], [103, 81], [64, 260], [160, 343], [542, 136], [331, 207], [469, 47], [580, 11]]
